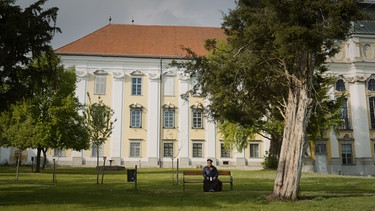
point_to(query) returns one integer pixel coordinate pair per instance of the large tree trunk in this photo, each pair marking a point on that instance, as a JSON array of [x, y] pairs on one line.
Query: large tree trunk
[[290, 162], [44, 150], [37, 164], [275, 146]]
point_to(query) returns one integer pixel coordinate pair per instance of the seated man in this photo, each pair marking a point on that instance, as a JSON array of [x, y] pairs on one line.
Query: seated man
[[211, 182]]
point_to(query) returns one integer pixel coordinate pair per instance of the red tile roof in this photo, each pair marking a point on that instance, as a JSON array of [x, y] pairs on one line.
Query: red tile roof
[[143, 41]]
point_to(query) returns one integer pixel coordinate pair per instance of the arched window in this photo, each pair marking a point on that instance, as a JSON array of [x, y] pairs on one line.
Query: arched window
[[371, 85], [340, 85], [372, 111]]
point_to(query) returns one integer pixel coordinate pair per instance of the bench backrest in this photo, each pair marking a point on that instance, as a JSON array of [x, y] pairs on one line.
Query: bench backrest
[[195, 173]]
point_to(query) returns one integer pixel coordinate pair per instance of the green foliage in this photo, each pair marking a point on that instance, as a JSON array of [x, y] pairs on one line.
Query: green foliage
[[51, 118], [273, 60], [270, 161], [24, 34], [236, 135]]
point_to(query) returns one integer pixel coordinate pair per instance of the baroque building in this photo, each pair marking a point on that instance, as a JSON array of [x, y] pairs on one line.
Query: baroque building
[[128, 67], [351, 149]]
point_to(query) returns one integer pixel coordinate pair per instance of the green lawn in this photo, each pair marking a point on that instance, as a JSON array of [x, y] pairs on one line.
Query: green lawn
[[76, 188]]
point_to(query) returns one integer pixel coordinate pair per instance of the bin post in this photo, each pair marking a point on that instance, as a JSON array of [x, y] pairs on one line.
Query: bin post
[[132, 176]]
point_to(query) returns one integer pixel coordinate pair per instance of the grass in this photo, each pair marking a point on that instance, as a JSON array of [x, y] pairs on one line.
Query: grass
[[76, 189]]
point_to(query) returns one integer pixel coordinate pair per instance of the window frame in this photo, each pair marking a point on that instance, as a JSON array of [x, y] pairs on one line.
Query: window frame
[[197, 121], [197, 152], [346, 158], [133, 154], [321, 150], [371, 85], [100, 82], [257, 152], [344, 115], [136, 119], [136, 86], [224, 153], [371, 100], [169, 118], [168, 149]]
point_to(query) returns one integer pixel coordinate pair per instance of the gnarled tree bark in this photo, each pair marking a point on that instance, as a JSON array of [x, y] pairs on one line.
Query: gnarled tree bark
[[298, 110]]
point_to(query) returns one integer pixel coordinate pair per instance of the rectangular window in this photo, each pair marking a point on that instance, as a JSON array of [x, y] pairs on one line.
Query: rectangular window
[[168, 149], [168, 118], [168, 86], [225, 153], [135, 149], [321, 148], [136, 118], [59, 152], [346, 154], [372, 111], [197, 150], [254, 150], [197, 118], [344, 115], [136, 86], [94, 151], [99, 84]]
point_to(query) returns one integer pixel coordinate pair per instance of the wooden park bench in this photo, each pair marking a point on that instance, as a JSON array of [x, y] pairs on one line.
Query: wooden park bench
[[191, 176]]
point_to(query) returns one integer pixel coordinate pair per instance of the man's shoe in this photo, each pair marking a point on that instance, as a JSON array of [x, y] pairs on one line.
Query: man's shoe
[[212, 190]]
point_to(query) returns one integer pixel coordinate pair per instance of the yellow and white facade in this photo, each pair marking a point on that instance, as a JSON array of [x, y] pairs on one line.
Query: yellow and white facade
[[154, 124], [351, 150]]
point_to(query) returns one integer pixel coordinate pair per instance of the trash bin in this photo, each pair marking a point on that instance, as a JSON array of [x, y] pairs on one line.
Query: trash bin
[[132, 175]]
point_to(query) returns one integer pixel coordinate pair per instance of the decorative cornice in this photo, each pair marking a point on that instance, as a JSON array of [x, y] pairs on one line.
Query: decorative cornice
[[356, 79], [137, 73], [100, 72], [81, 73], [118, 75], [136, 106], [169, 106]]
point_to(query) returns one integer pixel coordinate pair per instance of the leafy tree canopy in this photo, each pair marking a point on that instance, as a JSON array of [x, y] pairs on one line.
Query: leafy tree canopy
[[24, 34]]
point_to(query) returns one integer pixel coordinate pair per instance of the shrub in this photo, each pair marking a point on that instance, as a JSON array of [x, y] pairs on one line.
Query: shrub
[[270, 161]]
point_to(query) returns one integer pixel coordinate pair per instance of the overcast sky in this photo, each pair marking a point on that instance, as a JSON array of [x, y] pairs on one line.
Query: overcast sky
[[77, 18]]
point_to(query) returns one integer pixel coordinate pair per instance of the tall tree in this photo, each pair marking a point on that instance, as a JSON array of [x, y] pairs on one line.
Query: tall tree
[[49, 120], [275, 52], [99, 122], [24, 34]]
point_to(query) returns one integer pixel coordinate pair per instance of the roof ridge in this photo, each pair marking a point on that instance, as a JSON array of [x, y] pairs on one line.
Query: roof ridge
[[177, 26]]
